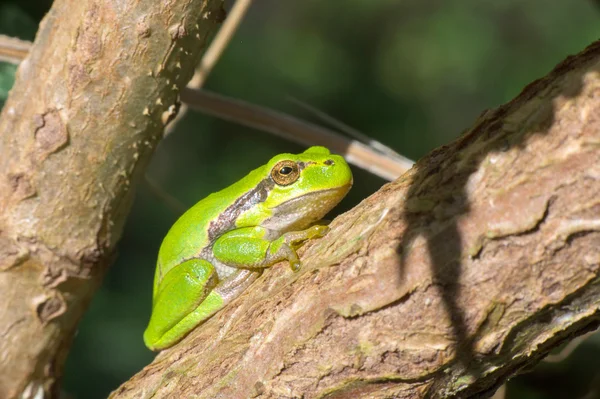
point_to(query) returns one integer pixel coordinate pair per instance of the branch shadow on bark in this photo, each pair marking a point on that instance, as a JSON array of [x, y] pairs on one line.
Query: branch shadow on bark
[[438, 197]]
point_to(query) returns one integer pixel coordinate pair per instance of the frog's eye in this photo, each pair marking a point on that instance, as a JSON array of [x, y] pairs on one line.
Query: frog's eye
[[285, 172]]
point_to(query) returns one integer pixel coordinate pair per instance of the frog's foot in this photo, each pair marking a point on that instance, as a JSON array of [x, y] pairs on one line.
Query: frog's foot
[[280, 250], [297, 238], [285, 246], [324, 222], [318, 231]]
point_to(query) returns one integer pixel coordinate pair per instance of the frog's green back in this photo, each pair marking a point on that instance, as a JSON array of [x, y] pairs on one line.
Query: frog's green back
[[190, 233], [252, 201], [288, 194]]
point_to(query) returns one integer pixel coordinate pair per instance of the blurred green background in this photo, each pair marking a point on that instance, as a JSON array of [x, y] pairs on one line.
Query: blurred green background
[[411, 74]]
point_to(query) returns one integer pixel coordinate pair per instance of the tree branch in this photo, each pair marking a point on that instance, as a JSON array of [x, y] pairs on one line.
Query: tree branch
[[13, 50], [386, 165], [89, 105], [467, 269], [365, 153]]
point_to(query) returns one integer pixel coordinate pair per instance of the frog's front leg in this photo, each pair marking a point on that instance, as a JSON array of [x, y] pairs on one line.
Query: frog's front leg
[[254, 248]]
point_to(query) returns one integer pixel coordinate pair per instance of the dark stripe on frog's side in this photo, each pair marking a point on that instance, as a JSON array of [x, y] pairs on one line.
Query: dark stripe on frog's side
[[226, 220]]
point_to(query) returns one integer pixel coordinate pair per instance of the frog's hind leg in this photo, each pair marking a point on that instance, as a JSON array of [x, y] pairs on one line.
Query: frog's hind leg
[[184, 290]]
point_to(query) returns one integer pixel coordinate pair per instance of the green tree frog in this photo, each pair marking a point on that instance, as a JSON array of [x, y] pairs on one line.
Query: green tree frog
[[216, 249]]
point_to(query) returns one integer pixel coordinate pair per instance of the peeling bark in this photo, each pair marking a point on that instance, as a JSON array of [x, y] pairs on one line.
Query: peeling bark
[[446, 282], [87, 109]]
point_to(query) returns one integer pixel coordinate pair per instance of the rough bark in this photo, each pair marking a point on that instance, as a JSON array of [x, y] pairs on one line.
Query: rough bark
[[445, 283], [87, 109]]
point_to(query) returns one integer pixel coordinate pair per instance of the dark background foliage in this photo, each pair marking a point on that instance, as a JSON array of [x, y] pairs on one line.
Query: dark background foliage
[[411, 74]]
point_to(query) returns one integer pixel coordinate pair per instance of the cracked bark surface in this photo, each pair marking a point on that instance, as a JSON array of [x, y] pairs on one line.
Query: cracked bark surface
[[87, 109], [444, 283]]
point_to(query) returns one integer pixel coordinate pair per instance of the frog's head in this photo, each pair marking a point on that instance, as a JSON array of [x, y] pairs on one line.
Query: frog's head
[[304, 187]]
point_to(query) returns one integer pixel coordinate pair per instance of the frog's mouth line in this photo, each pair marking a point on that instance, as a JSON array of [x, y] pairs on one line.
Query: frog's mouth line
[[329, 192], [300, 212]]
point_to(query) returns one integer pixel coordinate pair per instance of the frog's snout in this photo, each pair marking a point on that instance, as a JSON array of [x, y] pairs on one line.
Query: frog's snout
[[339, 170]]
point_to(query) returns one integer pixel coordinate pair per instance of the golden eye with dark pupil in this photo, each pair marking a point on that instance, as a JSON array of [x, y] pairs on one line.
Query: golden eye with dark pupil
[[285, 172]]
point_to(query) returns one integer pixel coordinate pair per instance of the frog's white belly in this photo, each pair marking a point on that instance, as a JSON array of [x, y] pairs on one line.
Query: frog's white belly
[[223, 271]]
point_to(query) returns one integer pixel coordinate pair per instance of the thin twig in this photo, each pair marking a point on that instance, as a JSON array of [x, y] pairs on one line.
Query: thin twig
[[296, 130], [172, 203], [568, 349], [13, 50], [220, 42], [500, 393], [213, 53], [342, 127], [385, 166]]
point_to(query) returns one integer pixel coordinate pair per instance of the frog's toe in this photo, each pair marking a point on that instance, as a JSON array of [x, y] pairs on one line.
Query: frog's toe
[[318, 231], [295, 265]]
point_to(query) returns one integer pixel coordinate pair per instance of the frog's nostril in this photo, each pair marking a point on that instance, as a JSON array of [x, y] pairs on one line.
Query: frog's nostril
[[329, 162]]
